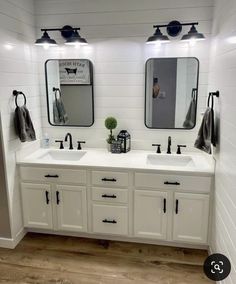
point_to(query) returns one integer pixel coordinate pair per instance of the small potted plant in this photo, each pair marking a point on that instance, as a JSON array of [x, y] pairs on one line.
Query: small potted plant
[[110, 124]]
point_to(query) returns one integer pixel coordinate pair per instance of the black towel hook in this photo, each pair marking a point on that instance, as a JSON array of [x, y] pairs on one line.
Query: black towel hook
[[16, 93]]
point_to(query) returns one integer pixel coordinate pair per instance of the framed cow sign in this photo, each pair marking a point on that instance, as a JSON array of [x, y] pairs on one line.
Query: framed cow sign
[[74, 72]]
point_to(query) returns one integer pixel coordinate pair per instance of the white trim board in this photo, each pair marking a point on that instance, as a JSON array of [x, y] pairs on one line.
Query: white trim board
[[11, 243]]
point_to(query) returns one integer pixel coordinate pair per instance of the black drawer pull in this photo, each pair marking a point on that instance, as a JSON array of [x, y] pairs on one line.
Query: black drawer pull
[[108, 221], [164, 208], [51, 176], [172, 183], [58, 197], [109, 179], [177, 206], [47, 196], [108, 196]]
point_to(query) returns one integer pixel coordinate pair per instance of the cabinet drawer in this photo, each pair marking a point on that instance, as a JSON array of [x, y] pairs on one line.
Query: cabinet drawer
[[53, 175], [188, 183], [110, 219], [110, 195], [114, 179]]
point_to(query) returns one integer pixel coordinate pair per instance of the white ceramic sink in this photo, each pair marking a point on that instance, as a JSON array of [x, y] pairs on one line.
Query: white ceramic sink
[[62, 155], [170, 160]]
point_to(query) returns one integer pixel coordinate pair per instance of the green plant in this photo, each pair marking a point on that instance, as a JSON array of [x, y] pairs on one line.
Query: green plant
[[110, 124]]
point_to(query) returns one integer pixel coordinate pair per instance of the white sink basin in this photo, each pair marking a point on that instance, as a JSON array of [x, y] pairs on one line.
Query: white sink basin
[[170, 160], [62, 155]]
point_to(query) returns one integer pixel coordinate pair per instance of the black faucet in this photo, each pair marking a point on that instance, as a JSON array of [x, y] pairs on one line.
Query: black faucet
[[169, 145], [70, 137]]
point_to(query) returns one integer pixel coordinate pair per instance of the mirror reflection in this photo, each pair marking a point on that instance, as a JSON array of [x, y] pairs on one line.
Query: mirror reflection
[[69, 84], [171, 93]]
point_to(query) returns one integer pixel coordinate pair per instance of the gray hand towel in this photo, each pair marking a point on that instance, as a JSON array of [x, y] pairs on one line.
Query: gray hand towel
[[59, 114], [191, 115], [206, 132], [23, 124]]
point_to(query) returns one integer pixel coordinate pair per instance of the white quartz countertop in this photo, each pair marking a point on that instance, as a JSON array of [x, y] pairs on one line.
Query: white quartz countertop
[[201, 163]]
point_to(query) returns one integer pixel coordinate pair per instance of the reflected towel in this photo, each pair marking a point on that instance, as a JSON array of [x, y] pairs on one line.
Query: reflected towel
[[191, 115], [206, 135], [23, 124], [59, 114]]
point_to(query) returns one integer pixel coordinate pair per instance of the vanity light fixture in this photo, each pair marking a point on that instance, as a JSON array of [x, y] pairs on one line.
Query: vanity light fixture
[[76, 39], [157, 37], [173, 29], [45, 40], [193, 34], [69, 33]]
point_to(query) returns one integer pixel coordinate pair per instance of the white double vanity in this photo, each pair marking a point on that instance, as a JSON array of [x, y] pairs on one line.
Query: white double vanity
[[138, 196]]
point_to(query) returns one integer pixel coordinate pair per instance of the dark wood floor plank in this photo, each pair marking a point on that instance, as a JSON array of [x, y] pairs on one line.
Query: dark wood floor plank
[[144, 251], [55, 259]]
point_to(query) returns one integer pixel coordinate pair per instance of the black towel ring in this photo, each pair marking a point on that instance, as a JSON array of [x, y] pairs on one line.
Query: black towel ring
[[211, 96], [56, 90], [16, 93], [194, 93]]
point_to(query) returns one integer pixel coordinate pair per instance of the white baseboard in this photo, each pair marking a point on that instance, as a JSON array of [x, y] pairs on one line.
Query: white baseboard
[[12, 243]]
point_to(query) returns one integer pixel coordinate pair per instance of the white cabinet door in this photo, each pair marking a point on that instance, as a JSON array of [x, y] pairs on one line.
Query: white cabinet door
[[37, 205], [191, 216], [71, 204], [150, 214]]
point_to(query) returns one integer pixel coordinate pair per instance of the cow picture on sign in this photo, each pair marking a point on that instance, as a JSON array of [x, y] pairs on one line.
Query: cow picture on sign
[[74, 72]]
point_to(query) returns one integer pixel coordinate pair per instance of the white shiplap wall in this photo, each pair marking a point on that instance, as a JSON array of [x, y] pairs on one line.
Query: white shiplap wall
[[116, 31], [222, 77], [18, 70]]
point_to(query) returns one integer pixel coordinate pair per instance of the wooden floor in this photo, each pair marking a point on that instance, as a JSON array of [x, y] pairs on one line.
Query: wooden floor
[[53, 259]]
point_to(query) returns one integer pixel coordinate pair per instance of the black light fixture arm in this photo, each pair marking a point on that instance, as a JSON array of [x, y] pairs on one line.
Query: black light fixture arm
[[174, 25], [60, 29]]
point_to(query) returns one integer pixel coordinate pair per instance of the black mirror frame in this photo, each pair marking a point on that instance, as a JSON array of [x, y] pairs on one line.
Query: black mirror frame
[[197, 85], [91, 84]]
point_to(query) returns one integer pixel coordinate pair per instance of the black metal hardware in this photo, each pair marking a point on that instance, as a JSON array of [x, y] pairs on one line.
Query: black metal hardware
[[177, 206], [158, 147], [109, 221], [174, 28], [70, 138], [58, 197], [174, 25], [211, 97], [47, 196], [172, 183], [16, 93], [79, 144], [109, 179], [164, 208], [51, 176], [169, 146], [216, 94], [108, 196], [179, 148], [61, 143]]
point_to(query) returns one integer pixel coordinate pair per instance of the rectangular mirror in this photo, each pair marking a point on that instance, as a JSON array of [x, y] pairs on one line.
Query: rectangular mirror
[[70, 99], [171, 93]]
